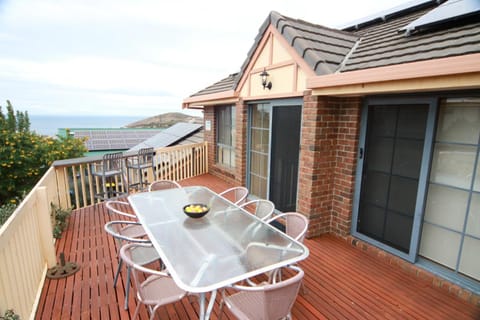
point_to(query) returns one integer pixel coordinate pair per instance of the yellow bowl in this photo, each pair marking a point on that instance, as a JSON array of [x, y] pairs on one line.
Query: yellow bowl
[[196, 210]]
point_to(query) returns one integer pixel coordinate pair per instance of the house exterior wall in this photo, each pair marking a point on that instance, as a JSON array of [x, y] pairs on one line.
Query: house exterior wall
[[237, 175], [278, 59], [327, 163], [329, 141]]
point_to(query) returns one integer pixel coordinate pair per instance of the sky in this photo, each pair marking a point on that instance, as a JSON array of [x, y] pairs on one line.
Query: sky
[[137, 57]]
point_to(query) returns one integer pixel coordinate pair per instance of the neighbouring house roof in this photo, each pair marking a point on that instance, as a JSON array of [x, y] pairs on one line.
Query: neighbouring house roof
[[108, 139], [179, 133], [379, 41]]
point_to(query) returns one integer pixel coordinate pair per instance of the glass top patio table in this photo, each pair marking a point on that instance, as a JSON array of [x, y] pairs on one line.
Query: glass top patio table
[[225, 246]]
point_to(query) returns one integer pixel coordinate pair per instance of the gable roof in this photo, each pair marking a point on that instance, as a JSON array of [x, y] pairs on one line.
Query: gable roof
[[377, 42]]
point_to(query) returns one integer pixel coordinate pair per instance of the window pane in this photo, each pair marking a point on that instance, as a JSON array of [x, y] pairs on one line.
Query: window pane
[[398, 229], [453, 165], [411, 122], [473, 222], [476, 186], [470, 260], [257, 144], [376, 188], [380, 154], [440, 245], [446, 207], [408, 158], [458, 122], [403, 194], [256, 116], [225, 117], [384, 119]]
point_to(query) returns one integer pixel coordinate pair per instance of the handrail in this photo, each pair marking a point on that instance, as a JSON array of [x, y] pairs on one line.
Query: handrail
[[173, 163]]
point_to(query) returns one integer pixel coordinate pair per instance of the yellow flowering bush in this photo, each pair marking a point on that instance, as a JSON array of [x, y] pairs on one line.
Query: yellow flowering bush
[[25, 156]]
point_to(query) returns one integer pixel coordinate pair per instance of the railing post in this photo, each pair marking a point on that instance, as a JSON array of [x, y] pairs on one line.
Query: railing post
[[45, 227]]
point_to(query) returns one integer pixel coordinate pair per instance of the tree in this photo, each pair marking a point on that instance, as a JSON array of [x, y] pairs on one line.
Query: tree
[[25, 156]]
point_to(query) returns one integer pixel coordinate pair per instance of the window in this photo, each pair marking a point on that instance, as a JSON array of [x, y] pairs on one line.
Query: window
[[451, 228], [225, 136]]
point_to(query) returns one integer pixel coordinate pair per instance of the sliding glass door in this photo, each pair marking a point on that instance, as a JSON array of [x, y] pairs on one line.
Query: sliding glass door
[[392, 174], [273, 153]]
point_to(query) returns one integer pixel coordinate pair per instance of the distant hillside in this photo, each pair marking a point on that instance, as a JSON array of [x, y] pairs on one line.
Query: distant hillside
[[165, 120]]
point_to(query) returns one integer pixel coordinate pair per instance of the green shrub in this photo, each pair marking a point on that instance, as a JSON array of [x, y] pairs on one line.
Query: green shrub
[[6, 211], [25, 156], [10, 315], [60, 218]]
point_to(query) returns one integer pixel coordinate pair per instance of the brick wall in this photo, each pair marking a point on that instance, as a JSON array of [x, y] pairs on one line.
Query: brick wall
[[329, 139], [329, 142], [348, 127]]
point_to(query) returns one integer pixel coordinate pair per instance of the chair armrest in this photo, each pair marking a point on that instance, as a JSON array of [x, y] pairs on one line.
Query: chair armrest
[[110, 228], [110, 207]]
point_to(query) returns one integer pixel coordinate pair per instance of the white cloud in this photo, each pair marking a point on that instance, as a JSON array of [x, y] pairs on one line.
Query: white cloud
[[94, 55]]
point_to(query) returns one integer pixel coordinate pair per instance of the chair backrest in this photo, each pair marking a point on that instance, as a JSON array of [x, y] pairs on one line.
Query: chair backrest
[[127, 254], [262, 208], [112, 161], [235, 194], [145, 156], [278, 298], [163, 184], [120, 207], [296, 224]]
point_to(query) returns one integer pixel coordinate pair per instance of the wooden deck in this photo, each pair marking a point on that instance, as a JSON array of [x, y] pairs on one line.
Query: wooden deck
[[342, 282]]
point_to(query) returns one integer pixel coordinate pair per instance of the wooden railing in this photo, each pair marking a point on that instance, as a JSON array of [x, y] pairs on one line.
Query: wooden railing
[[26, 239], [27, 249], [172, 163]]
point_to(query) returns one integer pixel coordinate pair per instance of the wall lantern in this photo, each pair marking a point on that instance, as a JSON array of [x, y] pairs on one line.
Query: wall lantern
[[264, 75]]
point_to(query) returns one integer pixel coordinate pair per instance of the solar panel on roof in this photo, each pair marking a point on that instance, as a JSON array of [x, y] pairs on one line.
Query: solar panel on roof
[[168, 136], [115, 139], [386, 14], [446, 12]]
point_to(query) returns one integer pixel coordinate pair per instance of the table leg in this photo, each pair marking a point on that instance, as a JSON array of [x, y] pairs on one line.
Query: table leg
[[210, 304], [205, 314], [202, 306]]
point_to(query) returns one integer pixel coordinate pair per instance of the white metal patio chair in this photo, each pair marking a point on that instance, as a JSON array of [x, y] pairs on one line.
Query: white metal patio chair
[[157, 289], [262, 208], [130, 232], [268, 301], [236, 194], [163, 184], [120, 207], [138, 165], [296, 226], [109, 174]]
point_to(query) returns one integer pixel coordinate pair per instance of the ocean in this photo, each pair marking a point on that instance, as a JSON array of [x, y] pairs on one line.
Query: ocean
[[49, 125]]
